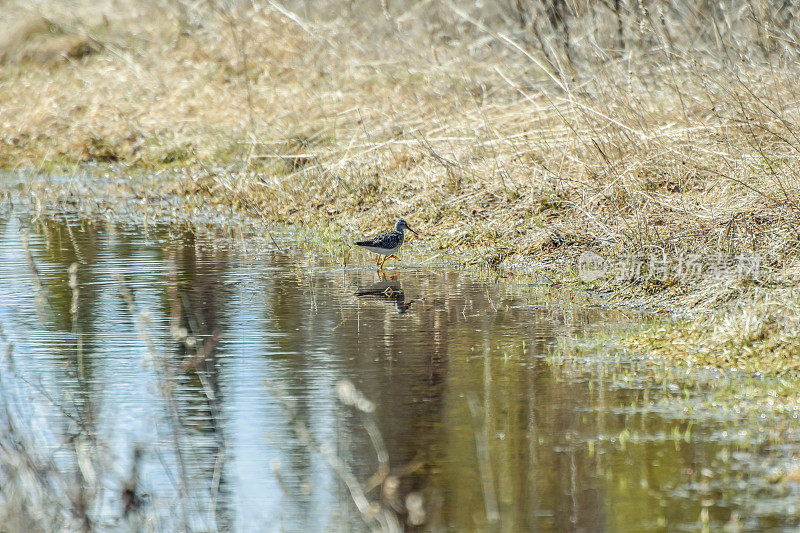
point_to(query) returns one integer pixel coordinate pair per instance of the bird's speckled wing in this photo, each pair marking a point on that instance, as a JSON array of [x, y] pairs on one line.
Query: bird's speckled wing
[[388, 240]]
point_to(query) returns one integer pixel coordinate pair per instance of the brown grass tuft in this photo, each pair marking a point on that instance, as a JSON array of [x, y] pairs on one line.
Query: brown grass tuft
[[36, 41]]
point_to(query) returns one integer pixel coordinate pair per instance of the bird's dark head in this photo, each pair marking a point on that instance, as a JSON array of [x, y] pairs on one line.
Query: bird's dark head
[[402, 224]]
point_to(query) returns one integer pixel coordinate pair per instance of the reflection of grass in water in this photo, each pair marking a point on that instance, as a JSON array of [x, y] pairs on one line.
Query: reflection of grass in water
[[376, 498], [690, 376], [46, 490], [725, 418], [41, 490], [67, 494]]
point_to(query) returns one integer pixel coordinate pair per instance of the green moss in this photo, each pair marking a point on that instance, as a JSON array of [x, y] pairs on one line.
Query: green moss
[[761, 337]]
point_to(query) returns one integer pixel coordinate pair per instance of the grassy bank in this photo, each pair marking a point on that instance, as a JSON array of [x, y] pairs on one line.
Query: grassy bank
[[523, 134]]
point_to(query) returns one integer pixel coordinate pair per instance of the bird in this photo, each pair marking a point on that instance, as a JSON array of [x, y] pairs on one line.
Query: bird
[[387, 243]]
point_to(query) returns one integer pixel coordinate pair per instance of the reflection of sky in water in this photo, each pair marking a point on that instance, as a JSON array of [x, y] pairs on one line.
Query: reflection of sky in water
[[259, 426], [293, 324]]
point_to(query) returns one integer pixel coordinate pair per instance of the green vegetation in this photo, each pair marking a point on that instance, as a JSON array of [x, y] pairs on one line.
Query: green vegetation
[[761, 333]]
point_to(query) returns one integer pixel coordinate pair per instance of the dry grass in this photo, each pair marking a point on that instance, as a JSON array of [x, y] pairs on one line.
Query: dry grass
[[522, 132]]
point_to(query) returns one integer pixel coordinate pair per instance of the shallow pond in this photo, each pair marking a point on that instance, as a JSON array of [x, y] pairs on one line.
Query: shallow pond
[[187, 379]]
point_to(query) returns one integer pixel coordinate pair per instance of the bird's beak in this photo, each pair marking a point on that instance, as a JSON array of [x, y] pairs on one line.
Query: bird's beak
[[412, 231]]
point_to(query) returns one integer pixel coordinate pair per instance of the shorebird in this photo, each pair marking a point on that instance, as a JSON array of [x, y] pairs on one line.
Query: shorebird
[[386, 244]]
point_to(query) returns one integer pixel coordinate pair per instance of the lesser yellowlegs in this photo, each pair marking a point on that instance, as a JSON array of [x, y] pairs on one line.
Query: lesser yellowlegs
[[386, 244]]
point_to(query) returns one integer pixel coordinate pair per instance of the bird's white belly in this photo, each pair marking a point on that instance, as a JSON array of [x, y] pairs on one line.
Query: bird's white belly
[[381, 251]]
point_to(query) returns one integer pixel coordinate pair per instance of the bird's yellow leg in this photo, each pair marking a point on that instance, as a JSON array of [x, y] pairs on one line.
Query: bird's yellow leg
[[384, 260], [393, 257]]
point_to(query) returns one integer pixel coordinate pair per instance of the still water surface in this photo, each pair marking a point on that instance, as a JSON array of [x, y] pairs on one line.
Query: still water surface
[[226, 367]]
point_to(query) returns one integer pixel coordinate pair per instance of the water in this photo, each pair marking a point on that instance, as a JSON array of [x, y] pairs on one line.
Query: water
[[220, 368]]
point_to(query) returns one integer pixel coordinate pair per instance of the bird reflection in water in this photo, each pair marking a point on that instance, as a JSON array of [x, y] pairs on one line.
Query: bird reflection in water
[[387, 289]]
